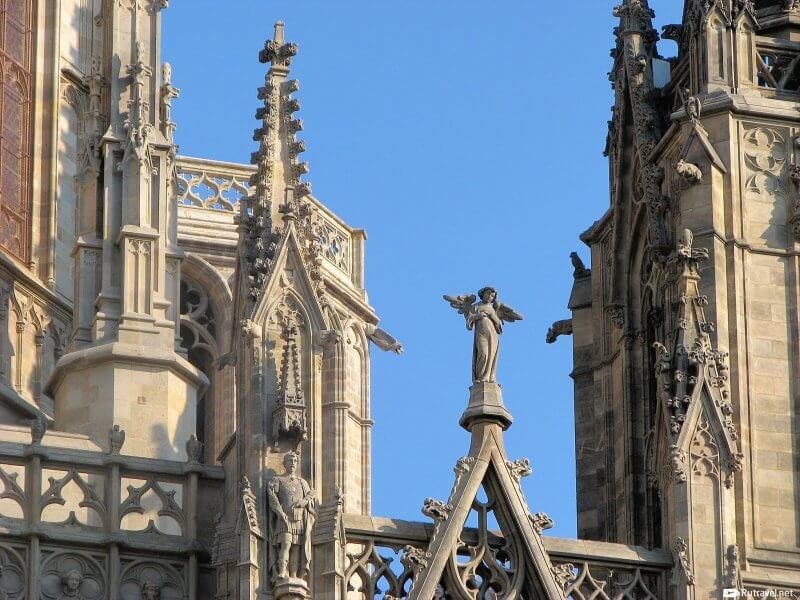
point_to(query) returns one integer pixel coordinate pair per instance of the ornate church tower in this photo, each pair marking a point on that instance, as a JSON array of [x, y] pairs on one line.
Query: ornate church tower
[[686, 326], [301, 348], [122, 367]]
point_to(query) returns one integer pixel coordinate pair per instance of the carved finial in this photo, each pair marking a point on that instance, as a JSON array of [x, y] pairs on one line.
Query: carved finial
[[414, 558], [519, 468], [289, 207], [136, 125], [276, 51], [116, 439], [436, 509], [541, 521]]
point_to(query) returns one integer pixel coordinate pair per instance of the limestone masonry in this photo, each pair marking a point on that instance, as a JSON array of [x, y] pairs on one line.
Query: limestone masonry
[[184, 343]]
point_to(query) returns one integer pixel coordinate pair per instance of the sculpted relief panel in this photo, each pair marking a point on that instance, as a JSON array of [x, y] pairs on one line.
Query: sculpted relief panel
[[769, 206], [765, 194], [72, 576]]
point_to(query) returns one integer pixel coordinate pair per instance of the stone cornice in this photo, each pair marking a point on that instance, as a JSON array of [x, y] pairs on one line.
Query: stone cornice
[[118, 351]]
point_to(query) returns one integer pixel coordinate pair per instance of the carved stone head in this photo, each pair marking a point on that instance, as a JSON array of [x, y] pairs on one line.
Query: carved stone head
[[71, 580], [151, 591], [290, 462], [487, 294]]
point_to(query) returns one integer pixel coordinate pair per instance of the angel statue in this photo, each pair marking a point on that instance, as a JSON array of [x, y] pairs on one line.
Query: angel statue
[[486, 319]]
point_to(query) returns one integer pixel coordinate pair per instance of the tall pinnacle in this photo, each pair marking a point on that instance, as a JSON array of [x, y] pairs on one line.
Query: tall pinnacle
[[279, 170]]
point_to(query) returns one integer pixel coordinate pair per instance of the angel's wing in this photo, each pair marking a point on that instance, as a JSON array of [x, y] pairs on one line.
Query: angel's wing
[[463, 304], [508, 314]]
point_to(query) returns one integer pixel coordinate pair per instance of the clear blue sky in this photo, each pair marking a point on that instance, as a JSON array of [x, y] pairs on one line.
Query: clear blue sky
[[466, 137]]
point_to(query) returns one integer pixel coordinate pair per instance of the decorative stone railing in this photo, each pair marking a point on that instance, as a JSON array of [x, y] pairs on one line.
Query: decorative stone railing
[[380, 561], [778, 64], [222, 186], [133, 513], [212, 184]]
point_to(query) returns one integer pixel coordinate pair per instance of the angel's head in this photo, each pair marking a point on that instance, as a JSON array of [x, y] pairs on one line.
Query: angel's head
[[487, 294]]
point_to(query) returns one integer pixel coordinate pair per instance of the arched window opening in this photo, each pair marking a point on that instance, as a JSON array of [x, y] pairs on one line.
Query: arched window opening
[[15, 123], [198, 339], [653, 317]]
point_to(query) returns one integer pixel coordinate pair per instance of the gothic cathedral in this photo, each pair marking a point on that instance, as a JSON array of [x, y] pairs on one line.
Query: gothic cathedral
[[184, 343]]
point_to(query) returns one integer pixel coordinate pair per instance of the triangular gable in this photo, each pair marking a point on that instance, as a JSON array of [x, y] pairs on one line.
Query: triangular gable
[[707, 401], [289, 271], [698, 136], [521, 566], [692, 376]]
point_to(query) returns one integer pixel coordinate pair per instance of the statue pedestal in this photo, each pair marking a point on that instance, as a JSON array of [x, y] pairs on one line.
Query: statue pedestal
[[486, 404], [290, 588]]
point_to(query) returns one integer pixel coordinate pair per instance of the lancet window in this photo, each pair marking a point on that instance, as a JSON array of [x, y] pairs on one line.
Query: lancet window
[[198, 329], [15, 122]]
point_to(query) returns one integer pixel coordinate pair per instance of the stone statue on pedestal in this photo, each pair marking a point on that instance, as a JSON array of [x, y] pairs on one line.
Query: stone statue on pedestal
[[486, 319], [291, 518]]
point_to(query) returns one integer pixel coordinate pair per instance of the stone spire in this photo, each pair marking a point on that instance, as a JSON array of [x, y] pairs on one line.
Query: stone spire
[[279, 169], [633, 71]]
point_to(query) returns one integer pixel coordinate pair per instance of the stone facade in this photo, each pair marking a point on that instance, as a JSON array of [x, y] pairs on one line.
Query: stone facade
[[684, 330], [184, 343]]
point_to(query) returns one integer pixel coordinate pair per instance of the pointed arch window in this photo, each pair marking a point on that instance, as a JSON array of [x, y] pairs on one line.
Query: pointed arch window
[[198, 331], [15, 126]]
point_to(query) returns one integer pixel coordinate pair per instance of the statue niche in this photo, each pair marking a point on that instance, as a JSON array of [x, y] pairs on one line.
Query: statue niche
[[292, 510]]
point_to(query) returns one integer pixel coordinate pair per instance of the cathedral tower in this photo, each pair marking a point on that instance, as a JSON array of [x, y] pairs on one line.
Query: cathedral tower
[[686, 326]]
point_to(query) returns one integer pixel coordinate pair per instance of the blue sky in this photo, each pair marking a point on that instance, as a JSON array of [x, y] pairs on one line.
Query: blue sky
[[466, 137]]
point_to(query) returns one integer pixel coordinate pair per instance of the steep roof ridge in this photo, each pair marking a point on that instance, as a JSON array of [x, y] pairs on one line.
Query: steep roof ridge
[[531, 573]]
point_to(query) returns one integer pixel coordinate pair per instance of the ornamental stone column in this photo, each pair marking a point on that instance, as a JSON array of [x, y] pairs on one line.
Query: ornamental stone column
[[122, 367]]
